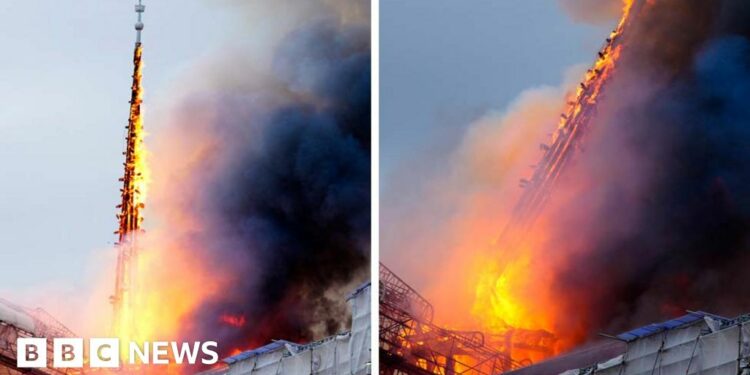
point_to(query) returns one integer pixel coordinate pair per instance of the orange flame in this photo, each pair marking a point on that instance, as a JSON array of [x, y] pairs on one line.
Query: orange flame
[[143, 176], [168, 280], [233, 320], [135, 181], [515, 291]]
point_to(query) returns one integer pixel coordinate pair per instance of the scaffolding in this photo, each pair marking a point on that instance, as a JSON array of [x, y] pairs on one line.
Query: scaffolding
[[410, 343], [20, 322]]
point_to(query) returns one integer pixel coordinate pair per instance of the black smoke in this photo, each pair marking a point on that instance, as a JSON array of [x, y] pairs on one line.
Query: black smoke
[[288, 209], [665, 212]]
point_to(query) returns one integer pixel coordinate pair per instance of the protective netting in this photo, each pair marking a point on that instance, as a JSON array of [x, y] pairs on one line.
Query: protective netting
[[702, 347]]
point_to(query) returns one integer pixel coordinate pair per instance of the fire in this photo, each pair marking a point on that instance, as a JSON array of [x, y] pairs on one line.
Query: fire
[[142, 176], [514, 293], [499, 295], [158, 283], [159, 280], [514, 289], [135, 181], [233, 320]]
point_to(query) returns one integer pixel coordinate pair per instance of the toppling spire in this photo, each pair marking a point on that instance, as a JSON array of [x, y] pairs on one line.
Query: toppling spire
[[569, 137]]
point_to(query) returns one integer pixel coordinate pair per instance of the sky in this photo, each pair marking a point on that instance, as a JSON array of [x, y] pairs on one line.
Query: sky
[[65, 82], [445, 63], [64, 85]]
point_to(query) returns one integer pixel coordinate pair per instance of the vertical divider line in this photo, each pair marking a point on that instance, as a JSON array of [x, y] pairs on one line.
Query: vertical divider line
[[375, 184]]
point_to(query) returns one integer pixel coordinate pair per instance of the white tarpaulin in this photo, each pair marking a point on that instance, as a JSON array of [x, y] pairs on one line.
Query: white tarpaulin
[[705, 347], [13, 315]]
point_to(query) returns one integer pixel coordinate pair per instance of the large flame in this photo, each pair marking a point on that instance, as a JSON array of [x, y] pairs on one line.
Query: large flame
[[133, 192], [156, 283], [171, 279], [201, 274], [513, 288], [142, 176]]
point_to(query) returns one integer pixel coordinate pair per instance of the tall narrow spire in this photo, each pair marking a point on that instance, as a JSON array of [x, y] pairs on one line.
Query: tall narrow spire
[[132, 201]]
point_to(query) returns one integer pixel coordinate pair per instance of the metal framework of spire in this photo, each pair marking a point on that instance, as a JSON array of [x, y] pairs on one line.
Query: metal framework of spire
[[570, 136], [130, 207]]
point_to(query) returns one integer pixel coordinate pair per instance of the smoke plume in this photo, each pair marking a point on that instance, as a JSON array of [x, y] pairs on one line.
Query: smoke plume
[[593, 11], [438, 233], [665, 215], [650, 220], [260, 213]]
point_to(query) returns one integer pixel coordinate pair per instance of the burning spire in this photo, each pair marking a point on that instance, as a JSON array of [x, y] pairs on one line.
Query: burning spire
[[133, 197], [573, 126], [498, 302]]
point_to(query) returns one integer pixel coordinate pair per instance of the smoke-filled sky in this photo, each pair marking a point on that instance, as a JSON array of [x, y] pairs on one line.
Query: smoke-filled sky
[[286, 80], [262, 185], [664, 224], [648, 220], [65, 90], [437, 80], [445, 63]]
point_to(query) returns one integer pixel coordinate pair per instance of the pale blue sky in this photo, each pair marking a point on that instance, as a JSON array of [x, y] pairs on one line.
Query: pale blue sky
[[446, 62], [64, 88]]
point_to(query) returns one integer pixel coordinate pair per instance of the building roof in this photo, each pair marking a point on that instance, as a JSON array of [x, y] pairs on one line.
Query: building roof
[[604, 350], [16, 316], [583, 356], [359, 290], [269, 348], [651, 329]]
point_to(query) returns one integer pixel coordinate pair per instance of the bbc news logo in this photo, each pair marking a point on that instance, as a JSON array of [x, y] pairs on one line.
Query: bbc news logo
[[105, 353]]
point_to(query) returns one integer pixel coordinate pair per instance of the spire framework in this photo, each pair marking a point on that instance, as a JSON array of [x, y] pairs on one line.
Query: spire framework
[[132, 200]]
